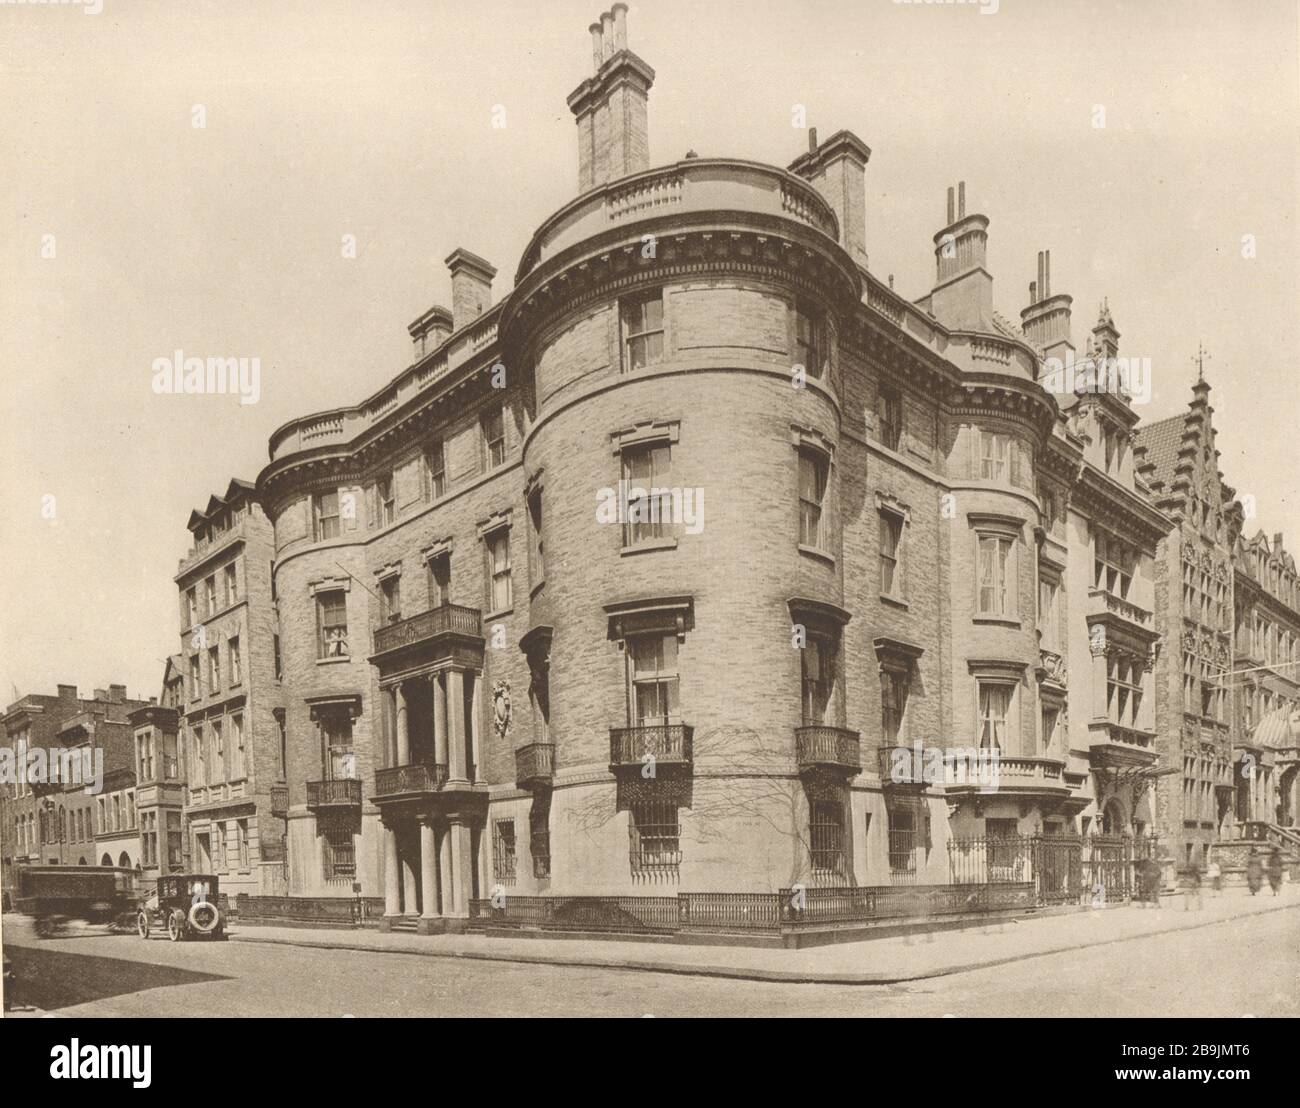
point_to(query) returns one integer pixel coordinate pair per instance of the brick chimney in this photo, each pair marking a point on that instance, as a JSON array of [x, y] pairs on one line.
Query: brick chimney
[[837, 169], [430, 330], [471, 286], [117, 693], [610, 107], [67, 692], [1046, 321], [962, 298]]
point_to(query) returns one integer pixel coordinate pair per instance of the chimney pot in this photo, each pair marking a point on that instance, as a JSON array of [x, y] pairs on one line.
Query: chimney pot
[[961, 199], [607, 35], [812, 140], [597, 48], [619, 12], [1047, 273], [952, 211], [1033, 292]]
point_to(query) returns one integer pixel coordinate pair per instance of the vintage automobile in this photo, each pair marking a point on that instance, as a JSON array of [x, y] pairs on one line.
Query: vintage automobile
[[186, 905], [55, 895]]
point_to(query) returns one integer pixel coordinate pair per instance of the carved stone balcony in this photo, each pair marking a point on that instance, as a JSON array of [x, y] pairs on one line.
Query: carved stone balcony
[[1014, 777], [821, 749], [279, 801], [410, 781], [669, 744], [1112, 745], [534, 765], [450, 631], [1125, 620], [336, 795]]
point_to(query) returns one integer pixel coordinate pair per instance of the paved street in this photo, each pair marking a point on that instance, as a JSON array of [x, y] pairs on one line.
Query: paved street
[[1254, 962]]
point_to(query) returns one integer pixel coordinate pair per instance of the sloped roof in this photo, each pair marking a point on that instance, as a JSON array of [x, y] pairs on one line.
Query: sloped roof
[[1162, 441], [1279, 730]]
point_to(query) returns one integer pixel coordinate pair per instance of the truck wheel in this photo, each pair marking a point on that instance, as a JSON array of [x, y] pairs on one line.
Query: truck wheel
[[176, 926], [142, 924]]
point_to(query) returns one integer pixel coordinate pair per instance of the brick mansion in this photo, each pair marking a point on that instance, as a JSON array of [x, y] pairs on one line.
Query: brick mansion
[[415, 666]]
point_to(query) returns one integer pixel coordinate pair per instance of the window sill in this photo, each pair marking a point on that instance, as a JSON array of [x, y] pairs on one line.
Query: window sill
[[333, 661], [998, 621], [894, 601], [489, 616], [649, 546], [819, 555]]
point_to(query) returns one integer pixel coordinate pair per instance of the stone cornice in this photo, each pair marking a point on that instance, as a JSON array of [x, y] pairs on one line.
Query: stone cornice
[[688, 246]]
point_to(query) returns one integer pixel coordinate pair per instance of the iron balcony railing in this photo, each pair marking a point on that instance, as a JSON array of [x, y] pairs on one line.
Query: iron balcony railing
[[418, 777], [341, 792], [667, 743], [534, 763], [448, 619], [821, 747]]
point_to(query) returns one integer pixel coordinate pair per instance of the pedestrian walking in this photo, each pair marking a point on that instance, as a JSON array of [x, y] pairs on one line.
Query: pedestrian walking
[[1192, 890], [1275, 870], [1254, 873], [1215, 875]]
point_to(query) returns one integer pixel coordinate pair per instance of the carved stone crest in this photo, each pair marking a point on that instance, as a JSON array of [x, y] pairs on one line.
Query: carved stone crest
[[502, 710]]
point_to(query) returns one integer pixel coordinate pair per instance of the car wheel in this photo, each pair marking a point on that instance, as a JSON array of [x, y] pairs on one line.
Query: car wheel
[[176, 926], [142, 924]]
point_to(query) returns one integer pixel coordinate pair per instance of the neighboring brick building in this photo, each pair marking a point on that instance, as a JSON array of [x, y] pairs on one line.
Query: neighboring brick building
[[57, 824], [160, 777], [1266, 682], [232, 698]]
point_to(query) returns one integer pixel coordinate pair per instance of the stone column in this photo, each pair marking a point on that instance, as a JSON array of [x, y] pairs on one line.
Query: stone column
[[428, 876], [461, 863], [392, 902], [403, 728], [456, 725], [445, 870], [439, 719], [410, 879], [475, 738]]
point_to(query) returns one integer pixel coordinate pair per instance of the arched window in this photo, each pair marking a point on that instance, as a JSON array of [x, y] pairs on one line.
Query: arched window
[[124, 861]]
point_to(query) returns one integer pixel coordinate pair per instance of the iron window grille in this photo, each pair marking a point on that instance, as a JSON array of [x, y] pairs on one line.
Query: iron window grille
[[504, 851], [655, 840]]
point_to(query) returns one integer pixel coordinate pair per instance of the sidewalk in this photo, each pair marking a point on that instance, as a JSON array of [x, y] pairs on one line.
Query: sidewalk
[[873, 962]]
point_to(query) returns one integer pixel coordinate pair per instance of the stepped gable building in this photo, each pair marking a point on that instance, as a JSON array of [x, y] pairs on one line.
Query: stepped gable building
[[1266, 683], [505, 670], [231, 721], [1178, 461]]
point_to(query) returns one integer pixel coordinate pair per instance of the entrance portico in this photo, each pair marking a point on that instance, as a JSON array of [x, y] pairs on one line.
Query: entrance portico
[[431, 803]]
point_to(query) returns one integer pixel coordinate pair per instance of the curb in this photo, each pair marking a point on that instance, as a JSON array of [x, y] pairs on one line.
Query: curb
[[744, 973]]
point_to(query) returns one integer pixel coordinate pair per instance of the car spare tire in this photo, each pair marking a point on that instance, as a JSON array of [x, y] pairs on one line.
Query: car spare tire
[[204, 916]]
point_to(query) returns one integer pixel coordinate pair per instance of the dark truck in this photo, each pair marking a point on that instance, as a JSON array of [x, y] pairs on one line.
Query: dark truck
[[52, 895]]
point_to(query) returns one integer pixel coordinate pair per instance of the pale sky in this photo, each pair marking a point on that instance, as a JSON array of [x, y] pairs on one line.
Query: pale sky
[[373, 118]]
